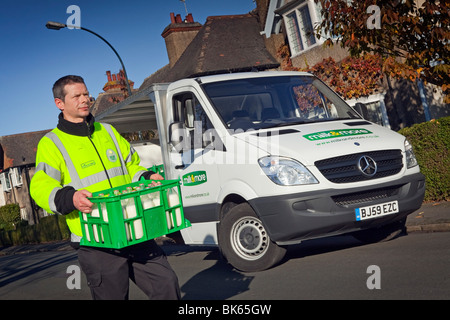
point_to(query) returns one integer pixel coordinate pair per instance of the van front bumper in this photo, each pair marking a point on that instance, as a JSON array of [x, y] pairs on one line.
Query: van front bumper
[[292, 218]]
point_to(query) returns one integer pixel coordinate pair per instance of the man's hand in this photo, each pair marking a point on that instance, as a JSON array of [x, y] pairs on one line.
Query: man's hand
[[81, 201], [156, 176]]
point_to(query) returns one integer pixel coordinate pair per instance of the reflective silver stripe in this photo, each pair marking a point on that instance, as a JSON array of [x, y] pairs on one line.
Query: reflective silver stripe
[[75, 238], [132, 151], [137, 175], [74, 177], [51, 200], [113, 137], [49, 170], [128, 159], [100, 176]]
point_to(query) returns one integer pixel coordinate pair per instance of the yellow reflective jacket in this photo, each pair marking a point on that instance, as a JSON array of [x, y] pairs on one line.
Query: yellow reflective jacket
[[95, 162]]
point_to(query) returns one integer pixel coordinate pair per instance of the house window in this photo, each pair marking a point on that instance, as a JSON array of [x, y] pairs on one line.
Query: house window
[[16, 177], [306, 26], [294, 33], [5, 182], [299, 27]]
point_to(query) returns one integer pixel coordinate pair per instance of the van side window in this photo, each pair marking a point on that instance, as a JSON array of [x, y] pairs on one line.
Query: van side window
[[188, 110]]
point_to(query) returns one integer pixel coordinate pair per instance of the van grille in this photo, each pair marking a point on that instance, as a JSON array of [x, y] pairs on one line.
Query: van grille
[[344, 169], [365, 196]]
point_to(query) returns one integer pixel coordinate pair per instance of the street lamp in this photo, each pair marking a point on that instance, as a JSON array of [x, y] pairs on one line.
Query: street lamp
[[57, 26]]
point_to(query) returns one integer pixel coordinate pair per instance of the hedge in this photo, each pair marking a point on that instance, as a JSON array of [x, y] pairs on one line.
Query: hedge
[[431, 144], [9, 216], [50, 228]]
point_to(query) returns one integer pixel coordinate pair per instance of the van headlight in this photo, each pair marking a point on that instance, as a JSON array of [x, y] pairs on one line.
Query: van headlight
[[285, 171], [411, 160]]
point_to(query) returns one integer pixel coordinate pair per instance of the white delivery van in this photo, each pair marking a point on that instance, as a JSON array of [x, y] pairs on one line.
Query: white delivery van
[[269, 159]]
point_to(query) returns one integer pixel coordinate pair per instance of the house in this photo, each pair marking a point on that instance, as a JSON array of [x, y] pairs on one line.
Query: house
[[223, 44], [251, 41], [17, 166], [397, 103]]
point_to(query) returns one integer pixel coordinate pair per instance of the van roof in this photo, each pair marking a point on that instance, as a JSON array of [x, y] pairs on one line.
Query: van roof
[[244, 75]]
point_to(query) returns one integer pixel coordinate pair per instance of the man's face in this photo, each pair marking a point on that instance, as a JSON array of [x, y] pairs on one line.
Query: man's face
[[76, 104]]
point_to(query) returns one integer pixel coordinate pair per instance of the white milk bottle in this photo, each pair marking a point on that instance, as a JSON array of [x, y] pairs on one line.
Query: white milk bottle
[[169, 219], [88, 237], [173, 200], [124, 203], [95, 214], [132, 213], [147, 201], [102, 209], [155, 198], [96, 233]]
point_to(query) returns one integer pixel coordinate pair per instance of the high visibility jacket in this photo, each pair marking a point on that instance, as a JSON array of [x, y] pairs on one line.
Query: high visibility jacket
[[97, 162]]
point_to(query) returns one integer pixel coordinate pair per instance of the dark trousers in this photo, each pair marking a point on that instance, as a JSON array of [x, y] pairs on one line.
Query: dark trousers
[[108, 271]]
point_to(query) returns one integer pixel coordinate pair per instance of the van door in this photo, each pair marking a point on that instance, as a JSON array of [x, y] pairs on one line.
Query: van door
[[196, 163]]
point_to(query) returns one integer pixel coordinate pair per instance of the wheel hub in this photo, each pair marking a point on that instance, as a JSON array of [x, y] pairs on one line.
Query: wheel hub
[[249, 238]]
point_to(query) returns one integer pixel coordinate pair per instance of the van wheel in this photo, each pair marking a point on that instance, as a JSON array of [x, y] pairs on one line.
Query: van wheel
[[244, 241], [384, 233]]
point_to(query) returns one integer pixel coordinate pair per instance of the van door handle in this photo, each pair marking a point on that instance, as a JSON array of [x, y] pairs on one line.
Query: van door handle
[[181, 166]]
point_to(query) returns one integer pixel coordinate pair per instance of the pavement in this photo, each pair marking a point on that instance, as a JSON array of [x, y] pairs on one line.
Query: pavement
[[431, 217]]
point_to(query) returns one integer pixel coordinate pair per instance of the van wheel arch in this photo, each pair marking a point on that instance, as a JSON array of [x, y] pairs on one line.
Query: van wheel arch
[[229, 202]]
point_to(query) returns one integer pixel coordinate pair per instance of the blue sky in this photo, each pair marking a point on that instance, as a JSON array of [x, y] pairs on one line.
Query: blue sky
[[33, 57]]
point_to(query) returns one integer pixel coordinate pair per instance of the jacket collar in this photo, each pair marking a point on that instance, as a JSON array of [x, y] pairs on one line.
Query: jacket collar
[[83, 129]]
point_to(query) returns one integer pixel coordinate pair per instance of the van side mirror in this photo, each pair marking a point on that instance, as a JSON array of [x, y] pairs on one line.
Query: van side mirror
[[179, 136], [361, 108]]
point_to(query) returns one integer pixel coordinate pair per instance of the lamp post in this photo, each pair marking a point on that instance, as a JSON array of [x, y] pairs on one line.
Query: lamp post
[[57, 26]]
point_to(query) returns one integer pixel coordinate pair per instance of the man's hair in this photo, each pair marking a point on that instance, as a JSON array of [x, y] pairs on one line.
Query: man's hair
[[58, 87]]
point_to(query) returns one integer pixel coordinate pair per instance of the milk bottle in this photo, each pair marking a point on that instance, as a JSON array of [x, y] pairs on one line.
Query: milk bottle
[[147, 201], [173, 200], [132, 213], [129, 212]]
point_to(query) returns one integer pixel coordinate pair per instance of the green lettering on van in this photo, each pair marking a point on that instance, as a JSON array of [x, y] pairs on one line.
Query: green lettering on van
[[336, 134], [194, 178]]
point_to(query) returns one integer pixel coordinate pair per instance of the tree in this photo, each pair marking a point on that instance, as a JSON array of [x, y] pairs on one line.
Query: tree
[[353, 77], [413, 39]]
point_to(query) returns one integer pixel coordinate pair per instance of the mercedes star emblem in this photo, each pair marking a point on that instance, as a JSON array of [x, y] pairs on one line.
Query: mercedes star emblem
[[367, 166]]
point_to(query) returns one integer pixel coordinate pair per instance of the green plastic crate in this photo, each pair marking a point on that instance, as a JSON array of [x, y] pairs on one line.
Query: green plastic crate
[[118, 221]]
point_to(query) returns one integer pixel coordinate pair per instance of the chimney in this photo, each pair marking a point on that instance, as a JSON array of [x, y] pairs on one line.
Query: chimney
[[189, 18], [116, 82], [178, 35]]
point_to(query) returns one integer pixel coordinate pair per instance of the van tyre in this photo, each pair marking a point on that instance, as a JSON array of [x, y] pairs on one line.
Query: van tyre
[[381, 234], [245, 243]]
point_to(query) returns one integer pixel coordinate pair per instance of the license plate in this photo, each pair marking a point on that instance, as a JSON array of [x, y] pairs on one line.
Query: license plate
[[377, 210]]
